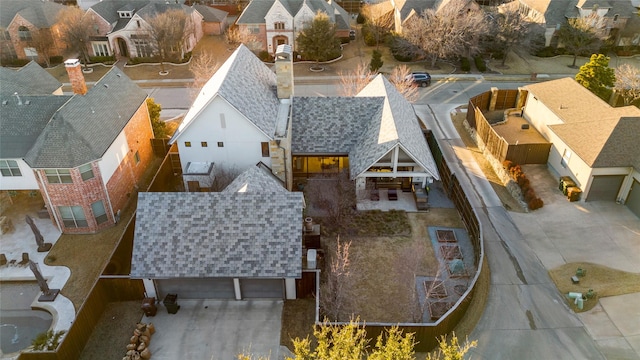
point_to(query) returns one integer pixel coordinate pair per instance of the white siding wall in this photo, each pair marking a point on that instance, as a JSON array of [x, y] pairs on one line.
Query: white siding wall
[[113, 157], [25, 182], [240, 137], [278, 13]]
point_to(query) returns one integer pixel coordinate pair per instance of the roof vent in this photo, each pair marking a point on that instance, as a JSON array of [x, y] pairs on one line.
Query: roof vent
[[27, 102], [118, 75], [106, 85], [19, 100], [4, 102]]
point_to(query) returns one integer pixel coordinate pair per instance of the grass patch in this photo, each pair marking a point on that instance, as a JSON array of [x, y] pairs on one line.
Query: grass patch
[[603, 280], [370, 223], [298, 319]]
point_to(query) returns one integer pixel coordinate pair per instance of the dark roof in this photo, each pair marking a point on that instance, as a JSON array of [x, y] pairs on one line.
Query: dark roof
[[22, 120], [42, 14], [82, 130], [154, 8], [211, 14], [218, 235], [31, 79], [108, 9]]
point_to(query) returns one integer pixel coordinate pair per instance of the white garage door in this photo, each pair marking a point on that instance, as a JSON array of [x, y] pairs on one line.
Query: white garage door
[[262, 288], [197, 288], [605, 187], [633, 200]]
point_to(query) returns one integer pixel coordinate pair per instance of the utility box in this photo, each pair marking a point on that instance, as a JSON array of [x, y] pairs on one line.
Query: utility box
[[573, 193], [312, 256]]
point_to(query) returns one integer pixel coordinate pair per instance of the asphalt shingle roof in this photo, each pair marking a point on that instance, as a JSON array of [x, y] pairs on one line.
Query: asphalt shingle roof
[[247, 84], [255, 12], [41, 14], [211, 14], [82, 130], [602, 136], [255, 180], [31, 79], [218, 235], [22, 124]]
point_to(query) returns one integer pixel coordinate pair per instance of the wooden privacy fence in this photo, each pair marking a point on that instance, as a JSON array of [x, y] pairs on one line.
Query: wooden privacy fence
[[306, 286], [427, 334]]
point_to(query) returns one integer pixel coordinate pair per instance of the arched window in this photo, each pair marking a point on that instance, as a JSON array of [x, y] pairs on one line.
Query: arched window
[[24, 33]]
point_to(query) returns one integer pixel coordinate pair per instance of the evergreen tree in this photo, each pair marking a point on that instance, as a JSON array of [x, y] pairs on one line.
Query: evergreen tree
[[376, 61], [317, 41], [597, 76], [159, 126]]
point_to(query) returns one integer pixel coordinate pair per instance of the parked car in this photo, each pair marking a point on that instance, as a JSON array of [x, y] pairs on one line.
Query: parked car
[[352, 34], [420, 78]]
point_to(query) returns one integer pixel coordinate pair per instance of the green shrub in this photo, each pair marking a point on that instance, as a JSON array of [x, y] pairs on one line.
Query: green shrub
[[265, 56], [368, 36], [47, 341], [14, 62], [376, 61], [102, 59], [465, 65], [480, 64], [546, 52]]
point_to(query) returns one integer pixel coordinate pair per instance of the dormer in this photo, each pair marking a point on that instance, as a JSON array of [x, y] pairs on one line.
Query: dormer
[[126, 12]]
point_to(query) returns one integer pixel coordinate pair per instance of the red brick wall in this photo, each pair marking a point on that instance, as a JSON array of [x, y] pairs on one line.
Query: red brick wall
[[211, 28], [20, 45], [79, 193], [138, 133]]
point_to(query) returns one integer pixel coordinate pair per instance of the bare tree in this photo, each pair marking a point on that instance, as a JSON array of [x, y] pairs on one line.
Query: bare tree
[[406, 272], [170, 31], [236, 35], [75, 31], [223, 177], [628, 83], [378, 20], [509, 29], [202, 66], [400, 78], [352, 82], [582, 35], [336, 292], [449, 32], [333, 194], [42, 41]]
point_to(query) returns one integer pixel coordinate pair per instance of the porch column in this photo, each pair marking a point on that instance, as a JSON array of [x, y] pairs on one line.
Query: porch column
[[236, 288], [396, 151], [290, 288], [150, 288]]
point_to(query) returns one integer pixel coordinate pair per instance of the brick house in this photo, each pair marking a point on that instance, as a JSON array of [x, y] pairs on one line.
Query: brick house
[[214, 21], [278, 22], [85, 153], [25, 25], [122, 27]]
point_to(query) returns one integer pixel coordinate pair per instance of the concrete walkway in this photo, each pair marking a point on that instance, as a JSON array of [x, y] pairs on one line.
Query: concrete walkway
[[526, 317]]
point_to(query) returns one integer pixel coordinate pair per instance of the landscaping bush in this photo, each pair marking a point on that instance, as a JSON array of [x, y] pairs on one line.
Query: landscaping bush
[[546, 52], [265, 56], [14, 62], [55, 60], [102, 59], [465, 65], [536, 203], [398, 48], [360, 19], [480, 64], [507, 164], [368, 36], [376, 61], [529, 195]]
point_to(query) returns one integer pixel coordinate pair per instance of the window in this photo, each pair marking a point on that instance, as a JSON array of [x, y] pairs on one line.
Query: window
[[253, 29], [31, 53], [204, 144], [100, 49], [187, 144], [73, 216], [86, 172], [220, 144], [98, 212], [143, 47], [278, 26], [265, 149], [136, 157], [565, 158], [24, 33], [58, 176], [9, 168]]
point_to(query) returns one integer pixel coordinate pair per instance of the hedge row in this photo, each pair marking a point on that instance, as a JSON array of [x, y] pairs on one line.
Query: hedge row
[[516, 173]]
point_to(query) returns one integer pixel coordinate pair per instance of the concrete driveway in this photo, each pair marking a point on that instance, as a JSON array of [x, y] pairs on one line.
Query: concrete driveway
[[217, 330]]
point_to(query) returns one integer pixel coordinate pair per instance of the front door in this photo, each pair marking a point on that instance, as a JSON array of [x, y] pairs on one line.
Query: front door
[[122, 47]]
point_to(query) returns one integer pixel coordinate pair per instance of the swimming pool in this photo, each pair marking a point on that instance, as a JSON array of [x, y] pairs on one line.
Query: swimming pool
[[19, 324]]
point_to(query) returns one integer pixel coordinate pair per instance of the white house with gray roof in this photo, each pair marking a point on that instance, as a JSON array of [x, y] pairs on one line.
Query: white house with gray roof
[[593, 143], [244, 242], [278, 22], [247, 114]]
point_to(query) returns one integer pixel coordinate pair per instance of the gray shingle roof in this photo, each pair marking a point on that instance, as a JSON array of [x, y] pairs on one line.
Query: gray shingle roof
[[108, 9], [255, 12], [154, 8], [247, 84], [82, 130], [31, 79], [211, 14], [255, 180], [22, 124], [218, 235], [602, 136], [41, 14]]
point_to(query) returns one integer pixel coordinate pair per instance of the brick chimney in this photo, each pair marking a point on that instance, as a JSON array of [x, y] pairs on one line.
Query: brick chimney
[[75, 76], [284, 71]]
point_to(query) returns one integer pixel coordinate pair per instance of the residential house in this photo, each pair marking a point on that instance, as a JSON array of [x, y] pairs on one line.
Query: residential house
[[593, 143], [244, 242], [246, 114], [552, 14], [122, 27], [84, 153], [26, 26], [214, 21], [396, 14], [278, 22]]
